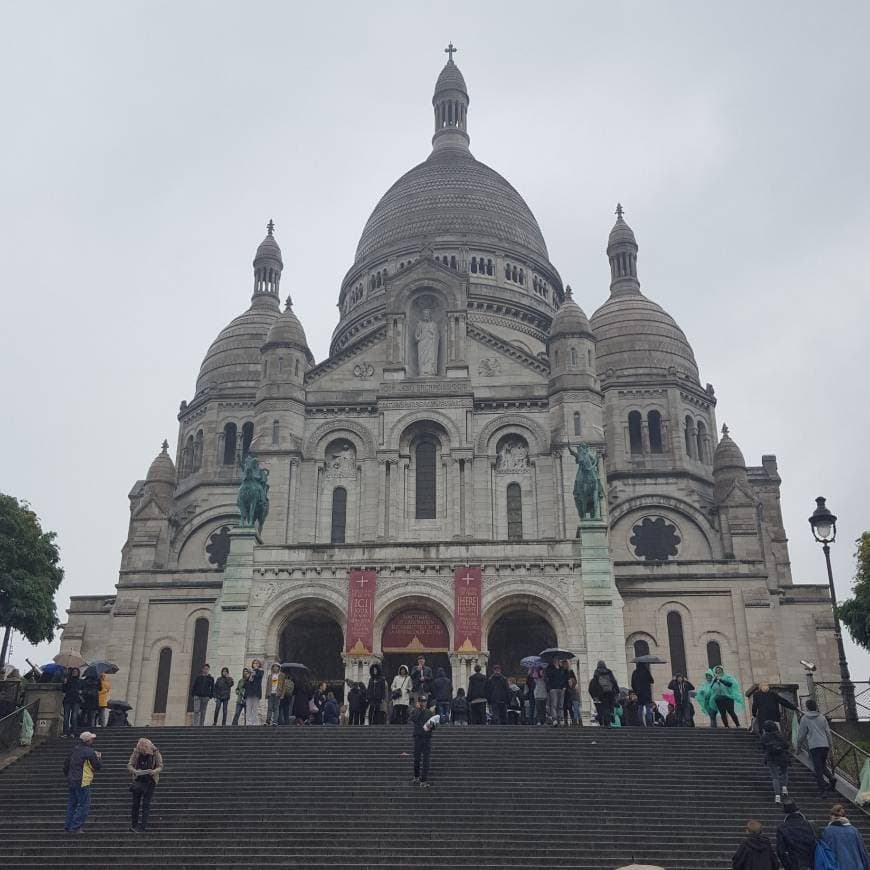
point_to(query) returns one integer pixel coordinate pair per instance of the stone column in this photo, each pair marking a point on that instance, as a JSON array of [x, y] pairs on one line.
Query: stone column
[[229, 642]]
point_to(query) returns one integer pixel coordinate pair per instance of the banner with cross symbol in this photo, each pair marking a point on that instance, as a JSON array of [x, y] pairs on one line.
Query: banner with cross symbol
[[467, 587], [361, 612]]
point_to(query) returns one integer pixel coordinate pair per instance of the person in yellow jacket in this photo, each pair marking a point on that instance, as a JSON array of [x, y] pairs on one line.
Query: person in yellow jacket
[[103, 700]]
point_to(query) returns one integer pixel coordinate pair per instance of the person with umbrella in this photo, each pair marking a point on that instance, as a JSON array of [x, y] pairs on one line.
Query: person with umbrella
[[556, 679], [72, 702], [604, 690], [641, 684], [144, 765]]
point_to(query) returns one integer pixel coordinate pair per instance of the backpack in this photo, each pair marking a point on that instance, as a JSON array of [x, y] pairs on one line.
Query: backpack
[[605, 681], [460, 705], [824, 857]]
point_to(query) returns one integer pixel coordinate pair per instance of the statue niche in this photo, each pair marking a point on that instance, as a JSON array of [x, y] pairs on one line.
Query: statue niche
[[512, 455], [340, 459], [425, 339]]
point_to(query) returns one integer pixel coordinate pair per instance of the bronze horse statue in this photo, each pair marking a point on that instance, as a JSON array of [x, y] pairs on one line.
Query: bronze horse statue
[[253, 498], [588, 490]]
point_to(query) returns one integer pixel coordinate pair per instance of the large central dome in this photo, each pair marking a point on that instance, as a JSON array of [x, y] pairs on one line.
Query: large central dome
[[451, 197]]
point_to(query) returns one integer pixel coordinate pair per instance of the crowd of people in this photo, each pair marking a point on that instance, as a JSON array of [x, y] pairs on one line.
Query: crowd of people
[[85, 701]]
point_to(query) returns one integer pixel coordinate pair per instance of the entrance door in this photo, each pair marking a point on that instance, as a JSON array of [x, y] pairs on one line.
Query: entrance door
[[514, 636], [316, 640]]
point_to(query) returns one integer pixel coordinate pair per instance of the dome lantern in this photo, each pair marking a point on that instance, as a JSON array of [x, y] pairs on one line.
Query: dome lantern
[[450, 102], [268, 266], [622, 253]]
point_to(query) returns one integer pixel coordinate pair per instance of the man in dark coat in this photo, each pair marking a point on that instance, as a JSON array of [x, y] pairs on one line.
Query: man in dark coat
[[632, 712], [477, 697], [421, 678], [498, 695], [424, 723], [356, 704], [556, 681], [681, 688], [755, 852], [79, 768], [795, 839], [443, 690], [376, 694], [641, 684], [604, 690], [767, 706], [202, 691]]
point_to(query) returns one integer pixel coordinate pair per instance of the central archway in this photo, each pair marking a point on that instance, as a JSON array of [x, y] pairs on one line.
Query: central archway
[[411, 633], [515, 635], [316, 640]]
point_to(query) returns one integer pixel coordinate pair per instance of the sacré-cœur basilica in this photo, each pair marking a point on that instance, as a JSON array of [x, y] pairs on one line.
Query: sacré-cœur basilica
[[421, 477]]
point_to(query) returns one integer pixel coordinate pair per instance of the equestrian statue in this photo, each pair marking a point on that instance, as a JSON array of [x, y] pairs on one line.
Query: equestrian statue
[[253, 499], [588, 490]]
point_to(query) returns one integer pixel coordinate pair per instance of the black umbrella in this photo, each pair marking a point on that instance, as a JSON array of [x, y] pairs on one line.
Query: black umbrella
[[296, 669], [649, 660], [556, 653], [119, 705]]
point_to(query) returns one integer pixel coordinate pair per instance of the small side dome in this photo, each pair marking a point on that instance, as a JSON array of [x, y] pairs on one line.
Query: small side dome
[[621, 234], [269, 250], [570, 319], [451, 79], [728, 456], [161, 474], [287, 331]]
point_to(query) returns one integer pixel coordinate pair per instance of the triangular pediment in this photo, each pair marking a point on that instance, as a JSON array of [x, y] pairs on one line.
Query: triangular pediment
[[513, 355]]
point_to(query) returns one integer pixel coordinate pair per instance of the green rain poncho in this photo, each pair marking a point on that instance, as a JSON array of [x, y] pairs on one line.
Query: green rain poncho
[[726, 686]]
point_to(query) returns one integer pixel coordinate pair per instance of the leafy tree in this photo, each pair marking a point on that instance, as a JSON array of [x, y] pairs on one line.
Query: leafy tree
[[29, 574], [855, 613]]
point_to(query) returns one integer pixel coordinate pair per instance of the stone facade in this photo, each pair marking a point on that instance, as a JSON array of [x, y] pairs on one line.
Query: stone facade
[[436, 436]]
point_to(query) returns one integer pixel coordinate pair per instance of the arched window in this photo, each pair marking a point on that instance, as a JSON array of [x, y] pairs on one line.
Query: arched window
[[275, 431], [230, 438], [576, 422], [507, 271], [296, 370], [635, 439], [514, 512], [164, 671], [573, 356], [379, 279], [641, 648], [589, 357], [453, 262], [690, 441], [514, 274], [197, 659], [424, 460], [522, 277], [676, 643], [474, 264], [339, 515], [714, 654], [654, 422], [187, 457], [702, 436], [247, 437], [489, 267], [197, 450]]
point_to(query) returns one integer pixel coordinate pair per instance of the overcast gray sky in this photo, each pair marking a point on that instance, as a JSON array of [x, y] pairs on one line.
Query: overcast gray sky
[[145, 145]]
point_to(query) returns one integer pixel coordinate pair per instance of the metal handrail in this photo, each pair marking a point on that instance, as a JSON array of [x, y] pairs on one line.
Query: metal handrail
[[10, 725], [830, 699]]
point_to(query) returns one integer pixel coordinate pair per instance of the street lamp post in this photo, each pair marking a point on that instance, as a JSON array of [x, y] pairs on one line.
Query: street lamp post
[[824, 526]]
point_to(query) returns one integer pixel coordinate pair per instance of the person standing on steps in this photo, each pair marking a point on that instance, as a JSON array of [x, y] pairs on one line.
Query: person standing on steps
[[641, 684], [845, 842], [356, 704], [424, 723], [556, 678], [566, 703], [498, 695], [814, 734], [604, 690], [302, 701], [777, 758], [515, 703], [633, 712], [79, 767], [240, 695], [682, 688], [756, 851], [795, 839], [459, 708], [254, 693], [90, 708], [145, 765], [421, 678], [539, 696], [222, 687], [377, 695], [276, 688], [726, 693], [767, 706], [329, 712], [286, 702], [72, 702], [477, 696], [202, 691], [103, 687], [442, 690], [400, 694]]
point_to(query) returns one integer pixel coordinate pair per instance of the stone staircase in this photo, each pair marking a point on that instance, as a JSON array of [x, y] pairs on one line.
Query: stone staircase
[[502, 796]]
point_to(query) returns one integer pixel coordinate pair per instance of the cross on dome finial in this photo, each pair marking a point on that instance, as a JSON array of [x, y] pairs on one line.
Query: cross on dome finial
[[270, 227], [724, 430], [450, 51], [289, 303], [619, 210], [569, 293], [165, 445]]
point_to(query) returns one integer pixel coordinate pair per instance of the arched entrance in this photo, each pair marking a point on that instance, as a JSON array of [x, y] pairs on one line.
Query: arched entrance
[[515, 635], [316, 640], [411, 633]]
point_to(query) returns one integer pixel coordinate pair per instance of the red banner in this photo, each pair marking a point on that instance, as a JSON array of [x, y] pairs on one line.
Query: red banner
[[467, 585], [415, 631], [361, 612]]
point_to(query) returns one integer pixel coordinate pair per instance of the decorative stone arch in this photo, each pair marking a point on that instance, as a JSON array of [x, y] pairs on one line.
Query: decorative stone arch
[[406, 421], [147, 689], [641, 635], [727, 649], [324, 599], [516, 424], [315, 443], [664, 505], [438, 601], [447, 286], [535, 597], [217, 515]]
